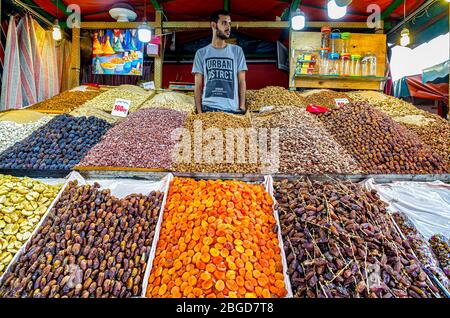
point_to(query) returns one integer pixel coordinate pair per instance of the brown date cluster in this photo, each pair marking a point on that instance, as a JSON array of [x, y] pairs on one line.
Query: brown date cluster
[[379, 144], [340, 242]]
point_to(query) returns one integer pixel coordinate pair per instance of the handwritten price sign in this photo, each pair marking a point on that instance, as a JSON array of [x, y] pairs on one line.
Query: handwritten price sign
[[121, 107]]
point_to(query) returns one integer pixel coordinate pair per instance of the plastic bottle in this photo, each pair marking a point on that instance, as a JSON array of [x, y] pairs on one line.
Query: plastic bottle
[[345, 68], [334, 64], [335, 39], [324, 61], [345, 42], [325, 42]]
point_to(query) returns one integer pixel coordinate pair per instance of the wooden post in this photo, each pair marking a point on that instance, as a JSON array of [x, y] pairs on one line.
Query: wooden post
[[75, 60], [158, 69]]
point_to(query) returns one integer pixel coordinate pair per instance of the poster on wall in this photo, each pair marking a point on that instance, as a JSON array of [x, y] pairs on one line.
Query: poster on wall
[[117, 52]]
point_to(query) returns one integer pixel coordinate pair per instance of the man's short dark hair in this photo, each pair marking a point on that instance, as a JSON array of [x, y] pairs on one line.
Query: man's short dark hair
[[215, 15]]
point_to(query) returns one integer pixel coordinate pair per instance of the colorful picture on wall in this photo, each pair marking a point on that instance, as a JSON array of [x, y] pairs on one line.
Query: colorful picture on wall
[[117, 52]]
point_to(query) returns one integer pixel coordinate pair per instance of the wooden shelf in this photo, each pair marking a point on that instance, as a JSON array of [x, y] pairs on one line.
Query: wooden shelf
[[344, 78]]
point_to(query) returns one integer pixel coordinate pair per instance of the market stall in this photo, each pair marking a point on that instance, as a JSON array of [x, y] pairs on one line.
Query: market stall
[[332, 190]]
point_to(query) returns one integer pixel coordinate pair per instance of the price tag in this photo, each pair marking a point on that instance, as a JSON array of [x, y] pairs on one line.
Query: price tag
[[341, 101], [148, 85], [121, 107]]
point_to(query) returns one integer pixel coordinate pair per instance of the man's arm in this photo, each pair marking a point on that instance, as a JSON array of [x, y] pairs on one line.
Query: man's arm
[[242, 90], [198, 91]]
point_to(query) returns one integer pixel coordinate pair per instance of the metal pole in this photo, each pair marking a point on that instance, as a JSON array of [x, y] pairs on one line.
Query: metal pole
[[412, 15]]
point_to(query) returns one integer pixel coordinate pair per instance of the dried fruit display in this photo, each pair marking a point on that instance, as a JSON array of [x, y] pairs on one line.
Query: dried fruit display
[[306, 147], [218, 239], [421, 247], [59, 145], [441, 247], [171, 100], [91, 245], [65, 102], [23, 201], [11, 132], [341, 242], [379, 144], [323, 97], [220, 122], [143, 140], [432, 130], [272, 96]]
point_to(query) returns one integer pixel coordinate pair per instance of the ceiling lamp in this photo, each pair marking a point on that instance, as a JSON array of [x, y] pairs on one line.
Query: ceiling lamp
[[123, 12], [405, 40], [298, 20], [56, 33], [336, 11]]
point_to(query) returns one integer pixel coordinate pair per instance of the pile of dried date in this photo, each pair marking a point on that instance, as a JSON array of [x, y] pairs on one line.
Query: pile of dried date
[[340, 242], [91, 245]]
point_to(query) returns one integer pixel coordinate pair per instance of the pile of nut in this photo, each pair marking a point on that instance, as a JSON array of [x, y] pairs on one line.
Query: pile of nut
[[65, 102], [441, 247], [272, 96], [323, 97], [23, 201], [91, 245], [11, 132], [143, 140], [171, 100], [305, 146], [421, 247], [340, 242], [59, 145], [192, 155], [379, 144]]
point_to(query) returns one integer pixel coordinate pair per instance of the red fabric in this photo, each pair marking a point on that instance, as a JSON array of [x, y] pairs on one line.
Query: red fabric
[[258, 75], [427, 91], [186, 10]]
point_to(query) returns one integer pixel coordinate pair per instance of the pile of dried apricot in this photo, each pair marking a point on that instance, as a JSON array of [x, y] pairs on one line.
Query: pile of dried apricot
[[217, 239]]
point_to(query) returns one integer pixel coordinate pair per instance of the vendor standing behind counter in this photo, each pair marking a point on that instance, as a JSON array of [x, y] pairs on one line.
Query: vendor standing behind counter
[[219, 71]]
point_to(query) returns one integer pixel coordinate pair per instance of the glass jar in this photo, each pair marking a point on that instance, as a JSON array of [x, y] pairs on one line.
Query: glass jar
[[345, 69], [325, 42], [345, 42], [369, 64], [355, 65], [335, 39], [323, 61], [333, 64]]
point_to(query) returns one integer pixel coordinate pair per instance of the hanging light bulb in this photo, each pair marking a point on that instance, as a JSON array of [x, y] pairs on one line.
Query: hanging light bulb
[[144, 32], [335, 11], [56, 34], [298, 20], [405, 39]]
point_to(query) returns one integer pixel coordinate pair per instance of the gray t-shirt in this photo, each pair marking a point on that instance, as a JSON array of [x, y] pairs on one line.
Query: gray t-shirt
[[219, 68]]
